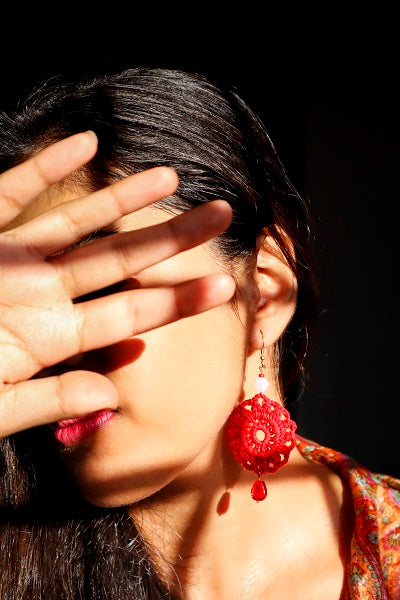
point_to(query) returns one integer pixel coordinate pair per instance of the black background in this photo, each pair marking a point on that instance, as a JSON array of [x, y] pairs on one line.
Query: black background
[[324, 78]]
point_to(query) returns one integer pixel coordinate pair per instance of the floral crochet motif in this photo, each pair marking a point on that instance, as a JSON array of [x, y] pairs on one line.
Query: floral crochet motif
[[260, 434]]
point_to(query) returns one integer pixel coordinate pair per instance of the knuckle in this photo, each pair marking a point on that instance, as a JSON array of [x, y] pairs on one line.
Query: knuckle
[[65, 273], [178, 304], [12, 202], [69, 222], [177, 234], [134, 313], [124, 259], [60, 394], [80, 329], [40, 172], [116, 195]]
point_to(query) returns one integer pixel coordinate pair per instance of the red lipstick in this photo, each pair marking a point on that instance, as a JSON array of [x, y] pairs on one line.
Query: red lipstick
[[70, 432]]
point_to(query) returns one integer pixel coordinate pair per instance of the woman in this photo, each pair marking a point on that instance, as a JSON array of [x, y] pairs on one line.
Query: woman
[[151, 272]]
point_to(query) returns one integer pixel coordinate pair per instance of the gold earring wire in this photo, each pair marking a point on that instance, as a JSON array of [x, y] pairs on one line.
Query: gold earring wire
[[262, 356]]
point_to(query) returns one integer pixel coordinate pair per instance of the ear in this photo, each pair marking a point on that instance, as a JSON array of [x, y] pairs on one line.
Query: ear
[[277, 286]]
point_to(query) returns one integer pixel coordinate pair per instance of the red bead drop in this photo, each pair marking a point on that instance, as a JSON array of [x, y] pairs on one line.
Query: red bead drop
[[259, 490]]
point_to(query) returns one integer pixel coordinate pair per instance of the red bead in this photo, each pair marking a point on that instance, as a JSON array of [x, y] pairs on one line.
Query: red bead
[[259, 490]]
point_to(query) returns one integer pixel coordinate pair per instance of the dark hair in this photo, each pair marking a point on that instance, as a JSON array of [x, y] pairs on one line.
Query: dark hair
[[220, 149]]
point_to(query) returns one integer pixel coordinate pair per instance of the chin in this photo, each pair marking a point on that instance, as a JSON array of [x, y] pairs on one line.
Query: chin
[[124, 490], [109, 495], [108, 477]]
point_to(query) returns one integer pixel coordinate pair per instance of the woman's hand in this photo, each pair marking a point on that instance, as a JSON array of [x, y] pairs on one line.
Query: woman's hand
[[40, 325]]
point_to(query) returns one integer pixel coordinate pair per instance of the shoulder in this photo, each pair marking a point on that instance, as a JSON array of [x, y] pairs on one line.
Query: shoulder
[[374, 567]]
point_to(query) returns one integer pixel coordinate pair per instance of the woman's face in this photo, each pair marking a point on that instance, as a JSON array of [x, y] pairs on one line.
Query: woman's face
[[177, 386]]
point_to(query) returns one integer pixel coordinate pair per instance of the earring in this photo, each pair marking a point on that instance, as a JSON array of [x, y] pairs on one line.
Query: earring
[[260, 434]]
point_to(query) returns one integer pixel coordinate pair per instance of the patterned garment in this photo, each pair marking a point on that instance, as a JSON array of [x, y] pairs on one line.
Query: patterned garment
[[373, 571]]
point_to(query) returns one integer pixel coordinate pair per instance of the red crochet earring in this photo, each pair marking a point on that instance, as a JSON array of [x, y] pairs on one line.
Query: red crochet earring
[[260, 434]]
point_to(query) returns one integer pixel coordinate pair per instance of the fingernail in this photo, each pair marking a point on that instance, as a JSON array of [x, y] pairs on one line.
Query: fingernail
[[92, 133]]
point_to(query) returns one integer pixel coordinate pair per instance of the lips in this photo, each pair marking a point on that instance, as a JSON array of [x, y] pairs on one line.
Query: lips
[[69, 432]]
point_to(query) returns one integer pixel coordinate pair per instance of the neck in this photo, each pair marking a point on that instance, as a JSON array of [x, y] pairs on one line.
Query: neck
[[208, 530]]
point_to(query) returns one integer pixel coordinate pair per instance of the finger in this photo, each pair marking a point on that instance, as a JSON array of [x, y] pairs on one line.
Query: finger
[[39, 401], [118, 256], [108, 320], [21, 184], [70, 221]]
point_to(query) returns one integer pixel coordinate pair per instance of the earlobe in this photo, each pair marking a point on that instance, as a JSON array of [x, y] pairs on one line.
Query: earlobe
[[277, 287]]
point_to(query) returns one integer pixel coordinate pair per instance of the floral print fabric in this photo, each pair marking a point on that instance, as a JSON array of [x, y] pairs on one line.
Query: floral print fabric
[[373, 571]]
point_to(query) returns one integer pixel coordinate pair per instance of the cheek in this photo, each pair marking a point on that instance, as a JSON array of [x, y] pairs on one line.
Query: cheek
[[174, 400], [190, 369], [181, 390]]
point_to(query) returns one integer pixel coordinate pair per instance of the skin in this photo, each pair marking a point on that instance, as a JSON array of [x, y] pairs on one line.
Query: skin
[[172, 381]]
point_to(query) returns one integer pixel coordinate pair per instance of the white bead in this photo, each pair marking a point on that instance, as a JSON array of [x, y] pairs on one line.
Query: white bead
[[261, 384]]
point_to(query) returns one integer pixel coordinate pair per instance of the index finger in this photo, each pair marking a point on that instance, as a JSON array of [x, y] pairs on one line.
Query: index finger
[[21, 184]]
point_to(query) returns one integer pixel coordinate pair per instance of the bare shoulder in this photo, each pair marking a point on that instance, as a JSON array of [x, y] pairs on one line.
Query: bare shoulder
[[366, 513], [314, 535]]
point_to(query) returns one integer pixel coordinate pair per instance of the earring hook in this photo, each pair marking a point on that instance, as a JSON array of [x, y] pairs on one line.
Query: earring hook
[[262, 356]]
